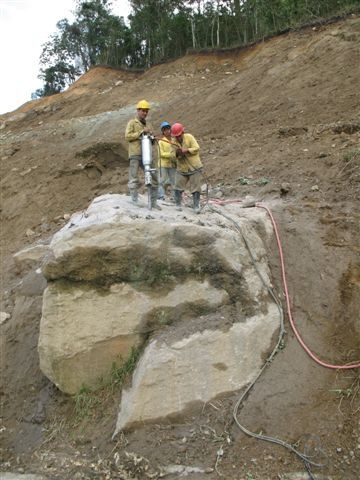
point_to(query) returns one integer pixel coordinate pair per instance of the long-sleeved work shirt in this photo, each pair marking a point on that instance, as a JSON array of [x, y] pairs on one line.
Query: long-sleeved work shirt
[[191, 160], [133, 132], [167, 155]]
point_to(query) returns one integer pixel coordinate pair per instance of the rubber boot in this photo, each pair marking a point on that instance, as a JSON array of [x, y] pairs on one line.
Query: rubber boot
[[196, 200], [134, 196], [177, 198], [161, 192], [154, 204]]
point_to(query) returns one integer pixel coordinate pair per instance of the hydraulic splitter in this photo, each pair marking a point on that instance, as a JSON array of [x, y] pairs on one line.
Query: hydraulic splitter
[[146, 154]]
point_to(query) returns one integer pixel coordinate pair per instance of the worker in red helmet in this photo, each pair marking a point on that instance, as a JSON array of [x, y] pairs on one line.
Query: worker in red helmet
[[135, 128], [188, 166]]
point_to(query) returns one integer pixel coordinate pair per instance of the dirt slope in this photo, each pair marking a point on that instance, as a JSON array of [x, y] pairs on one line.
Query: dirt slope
[[279, 121]]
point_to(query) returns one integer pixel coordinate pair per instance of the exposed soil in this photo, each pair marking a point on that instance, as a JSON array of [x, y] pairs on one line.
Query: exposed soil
[[279, 122]]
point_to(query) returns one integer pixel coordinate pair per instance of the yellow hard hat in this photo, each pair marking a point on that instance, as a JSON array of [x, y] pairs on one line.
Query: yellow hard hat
[[143, 105]]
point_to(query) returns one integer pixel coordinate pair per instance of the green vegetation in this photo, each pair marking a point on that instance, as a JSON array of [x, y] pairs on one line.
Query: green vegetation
[[164, 317], [85, 403], [159, 30], [159, 274], [150, 273], [119, 374], [88, 400], [351, 165], [351, 156], [349, 393]]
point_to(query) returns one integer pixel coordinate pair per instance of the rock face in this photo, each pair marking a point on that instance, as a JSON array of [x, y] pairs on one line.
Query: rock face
[[170, 376], [182, 286], [85, 329]]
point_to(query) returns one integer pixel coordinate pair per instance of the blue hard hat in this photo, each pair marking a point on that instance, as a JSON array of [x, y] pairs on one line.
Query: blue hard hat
[[165, 125]]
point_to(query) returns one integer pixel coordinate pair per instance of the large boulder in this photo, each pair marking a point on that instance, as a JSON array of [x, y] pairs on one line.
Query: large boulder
[[86, 329], [172, 375], [190, 289]]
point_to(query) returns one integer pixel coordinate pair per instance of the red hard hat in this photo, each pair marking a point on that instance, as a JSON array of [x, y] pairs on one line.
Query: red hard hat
[[177, 129]]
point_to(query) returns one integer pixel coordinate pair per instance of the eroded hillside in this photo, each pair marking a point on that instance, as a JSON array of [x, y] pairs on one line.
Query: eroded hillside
[[278, 121]]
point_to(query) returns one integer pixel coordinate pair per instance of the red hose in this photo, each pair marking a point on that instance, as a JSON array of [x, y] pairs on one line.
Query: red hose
[[292, 323]]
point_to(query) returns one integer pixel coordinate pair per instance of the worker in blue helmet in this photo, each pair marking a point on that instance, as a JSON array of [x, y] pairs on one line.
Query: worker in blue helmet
[[166, 163]]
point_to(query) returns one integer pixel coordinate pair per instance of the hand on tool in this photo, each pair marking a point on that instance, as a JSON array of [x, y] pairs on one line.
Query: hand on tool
[[180, 152]]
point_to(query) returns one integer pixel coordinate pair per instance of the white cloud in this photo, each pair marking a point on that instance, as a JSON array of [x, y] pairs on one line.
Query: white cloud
[[25, 25]]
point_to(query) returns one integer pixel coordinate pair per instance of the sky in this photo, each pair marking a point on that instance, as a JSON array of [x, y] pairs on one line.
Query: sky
[[25, 25]]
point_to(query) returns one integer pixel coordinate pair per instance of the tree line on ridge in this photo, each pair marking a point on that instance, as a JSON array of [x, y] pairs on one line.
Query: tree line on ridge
[[161, 30]]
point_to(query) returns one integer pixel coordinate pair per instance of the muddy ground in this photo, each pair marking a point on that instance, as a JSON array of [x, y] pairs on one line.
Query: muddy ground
[[277, 122]]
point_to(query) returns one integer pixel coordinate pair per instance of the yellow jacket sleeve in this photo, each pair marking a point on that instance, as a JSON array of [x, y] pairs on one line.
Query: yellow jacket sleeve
[[133, 132], [191, 161]]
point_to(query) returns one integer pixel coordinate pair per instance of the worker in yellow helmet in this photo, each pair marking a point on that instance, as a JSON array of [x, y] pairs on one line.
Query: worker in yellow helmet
[[134, 130]]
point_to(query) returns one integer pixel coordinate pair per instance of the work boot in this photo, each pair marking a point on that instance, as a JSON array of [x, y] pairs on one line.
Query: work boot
[[177, 198], [134, 196], [196, 201], [161, 193], [154, 203]]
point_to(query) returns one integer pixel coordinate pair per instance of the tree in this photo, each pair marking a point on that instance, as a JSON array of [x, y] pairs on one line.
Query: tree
[[164, 29], [95, 37], [156, 27]]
